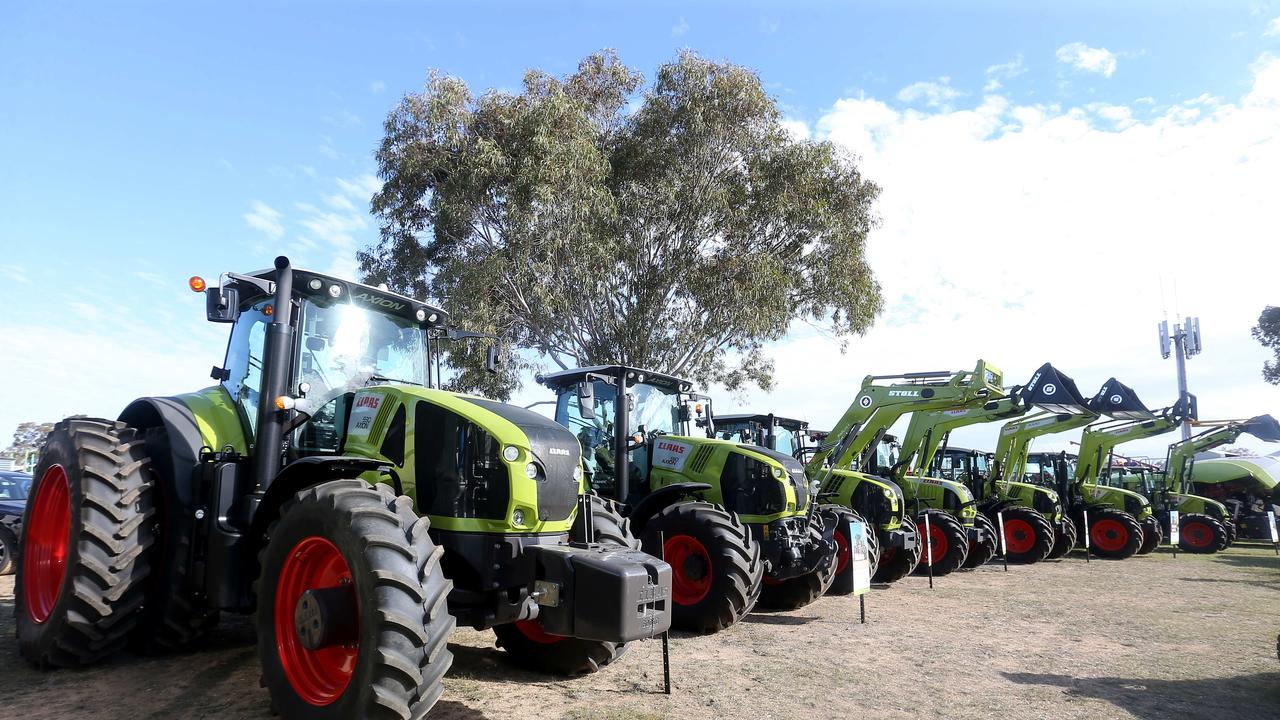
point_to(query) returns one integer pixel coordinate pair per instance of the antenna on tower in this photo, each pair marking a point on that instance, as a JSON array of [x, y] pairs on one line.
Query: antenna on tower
[[1183, 343]]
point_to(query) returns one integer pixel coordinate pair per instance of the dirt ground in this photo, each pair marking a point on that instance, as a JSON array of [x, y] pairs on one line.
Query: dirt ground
[[1151, 637]]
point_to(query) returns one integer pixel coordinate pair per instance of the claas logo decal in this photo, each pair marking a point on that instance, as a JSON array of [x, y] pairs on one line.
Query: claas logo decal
[[671, 447], [368, 401]]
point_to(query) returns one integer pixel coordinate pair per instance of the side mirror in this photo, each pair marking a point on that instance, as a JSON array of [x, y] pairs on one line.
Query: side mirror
[[587, 400], [222, 305], [491, 359]]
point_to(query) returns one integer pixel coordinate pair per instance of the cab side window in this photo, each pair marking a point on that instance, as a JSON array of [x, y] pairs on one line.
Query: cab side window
[[244, 359]]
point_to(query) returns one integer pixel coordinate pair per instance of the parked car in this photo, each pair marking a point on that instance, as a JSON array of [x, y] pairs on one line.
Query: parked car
[[14, 487]]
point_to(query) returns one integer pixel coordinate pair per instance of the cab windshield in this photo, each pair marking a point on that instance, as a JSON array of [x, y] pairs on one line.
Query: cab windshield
[[652, 408], [344, 346]]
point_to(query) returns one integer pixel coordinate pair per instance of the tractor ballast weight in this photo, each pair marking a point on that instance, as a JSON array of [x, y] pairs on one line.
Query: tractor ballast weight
[[737, 519], [325, 485]]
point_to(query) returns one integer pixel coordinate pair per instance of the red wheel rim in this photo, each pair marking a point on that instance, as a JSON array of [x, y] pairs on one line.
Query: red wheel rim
[[1019, 536], [842, 552], [318, 676], [690, 568], [532, 630], [1109, 535], [937, 540], [48, 541], [1197, 535]]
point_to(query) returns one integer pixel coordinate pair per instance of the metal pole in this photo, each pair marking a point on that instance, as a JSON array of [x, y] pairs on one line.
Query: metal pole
[[1180, 357], [862, 608], [666, 634]]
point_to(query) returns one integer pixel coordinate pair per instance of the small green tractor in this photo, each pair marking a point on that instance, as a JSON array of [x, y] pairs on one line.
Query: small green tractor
[[1205, 525], [326, 486], [737, 521], [844, 460], [1036, 528]]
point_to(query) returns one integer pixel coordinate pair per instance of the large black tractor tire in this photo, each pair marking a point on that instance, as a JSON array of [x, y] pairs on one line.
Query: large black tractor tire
[[981, 551], [172, 618], [842, 583], [948, 540], [1064, 539], [529, 646], [1201, 534], [894, 563], [1113, 534], [373, 642], [1152, 535], [85, 546], [1231, 534], [1029, 537], [797, 592], [716, 570], [8, 551]]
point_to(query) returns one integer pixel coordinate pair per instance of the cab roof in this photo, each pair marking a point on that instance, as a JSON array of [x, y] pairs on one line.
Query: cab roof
[[566, 378], [381, 299], [785, 422]]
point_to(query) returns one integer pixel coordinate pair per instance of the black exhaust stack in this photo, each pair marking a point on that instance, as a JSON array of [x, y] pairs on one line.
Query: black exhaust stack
[[275, 377]]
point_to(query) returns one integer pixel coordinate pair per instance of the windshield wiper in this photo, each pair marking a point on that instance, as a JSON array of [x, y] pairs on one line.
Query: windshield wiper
[[384, 378]]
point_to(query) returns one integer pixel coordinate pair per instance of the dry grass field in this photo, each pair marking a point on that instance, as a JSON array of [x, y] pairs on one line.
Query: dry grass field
[[1152, 637]]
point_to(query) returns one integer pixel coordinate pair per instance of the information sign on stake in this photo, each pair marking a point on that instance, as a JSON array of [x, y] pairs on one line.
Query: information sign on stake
[[860, 559], [1086, 536], [1004, 551], [1275, 536], [928, 547], [1175, 531]]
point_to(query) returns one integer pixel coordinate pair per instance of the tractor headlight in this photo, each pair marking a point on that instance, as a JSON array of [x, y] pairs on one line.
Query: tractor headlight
[[510, 453], [531, 471], [777, 472], [517, 517], [887, 492], [577, 472]]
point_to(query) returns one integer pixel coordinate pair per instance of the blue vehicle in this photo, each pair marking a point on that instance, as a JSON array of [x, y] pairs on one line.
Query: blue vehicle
[[13, 500]]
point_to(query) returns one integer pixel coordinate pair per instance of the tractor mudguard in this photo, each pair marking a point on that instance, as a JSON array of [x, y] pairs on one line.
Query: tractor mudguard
[[174, 456], [301, 474], [602, 593], [654, 502]]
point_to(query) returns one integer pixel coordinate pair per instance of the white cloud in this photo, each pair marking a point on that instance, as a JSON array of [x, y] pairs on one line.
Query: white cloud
[[1031, 233], [1088, 59], [1004, 71], [798, 129], [935, 93], [265, 218], [377, 86], [15, 273], [362, 187], [679, 28], [1273, 28]]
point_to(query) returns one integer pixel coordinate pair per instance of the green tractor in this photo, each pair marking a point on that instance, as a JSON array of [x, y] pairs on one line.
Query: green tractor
[[326, 486], [1205, 525], [1036, 528], [1249, 486], [844, 460], [1121, 522], [737, 521]]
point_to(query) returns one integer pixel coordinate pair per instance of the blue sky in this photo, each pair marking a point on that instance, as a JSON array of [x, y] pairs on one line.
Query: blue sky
[[144, 143]]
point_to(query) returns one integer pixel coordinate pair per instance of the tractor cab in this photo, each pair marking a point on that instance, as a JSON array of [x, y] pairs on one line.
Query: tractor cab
[[785, 435]]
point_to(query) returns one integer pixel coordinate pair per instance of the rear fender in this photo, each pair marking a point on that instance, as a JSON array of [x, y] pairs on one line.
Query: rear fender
[[658, 500]]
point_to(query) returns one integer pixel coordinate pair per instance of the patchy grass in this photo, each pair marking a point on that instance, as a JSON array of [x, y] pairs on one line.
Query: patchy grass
[[1152, 637]]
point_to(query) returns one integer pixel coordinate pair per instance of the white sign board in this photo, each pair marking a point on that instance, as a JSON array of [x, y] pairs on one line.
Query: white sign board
[[1275, 537], [859, 557], [1087, 533], [1003, 550], [670, 454], [1174, 529]]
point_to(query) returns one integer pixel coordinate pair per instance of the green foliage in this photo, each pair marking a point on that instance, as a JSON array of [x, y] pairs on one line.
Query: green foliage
[[28, 438], [676, 226], [1267, 332]]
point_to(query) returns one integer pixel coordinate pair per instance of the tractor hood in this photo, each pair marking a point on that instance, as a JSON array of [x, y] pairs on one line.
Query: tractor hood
[[790, 464], [1052, 390]]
